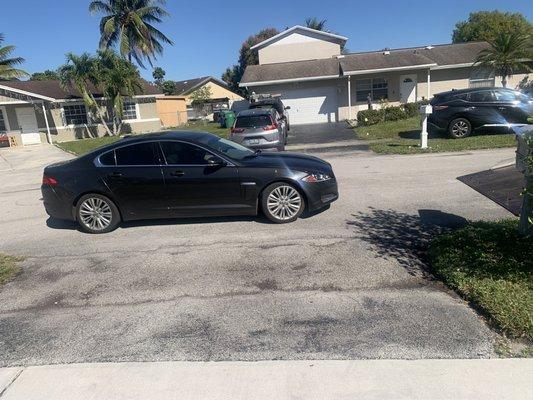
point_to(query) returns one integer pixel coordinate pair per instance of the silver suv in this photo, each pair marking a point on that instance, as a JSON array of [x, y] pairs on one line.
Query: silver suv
[[260, 129]]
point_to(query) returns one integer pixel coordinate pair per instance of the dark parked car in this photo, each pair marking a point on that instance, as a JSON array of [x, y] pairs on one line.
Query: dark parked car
[[184, 174], [260, 129], [460, 112], [269, 101]]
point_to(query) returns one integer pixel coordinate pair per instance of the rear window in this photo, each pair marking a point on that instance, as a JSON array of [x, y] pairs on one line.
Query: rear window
[[251, 121]]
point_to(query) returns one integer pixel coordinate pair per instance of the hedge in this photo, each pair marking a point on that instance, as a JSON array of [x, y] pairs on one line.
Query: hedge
[[390, 113]]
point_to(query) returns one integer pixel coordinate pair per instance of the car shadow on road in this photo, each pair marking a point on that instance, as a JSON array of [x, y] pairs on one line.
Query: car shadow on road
[[402, 236]]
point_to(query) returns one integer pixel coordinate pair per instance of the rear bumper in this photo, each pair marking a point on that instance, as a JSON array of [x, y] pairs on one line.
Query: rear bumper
[[55, 205], [266, 140], [321, 194]]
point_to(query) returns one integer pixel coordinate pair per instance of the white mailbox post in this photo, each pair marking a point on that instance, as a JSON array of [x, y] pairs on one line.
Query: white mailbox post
[[424, 112]]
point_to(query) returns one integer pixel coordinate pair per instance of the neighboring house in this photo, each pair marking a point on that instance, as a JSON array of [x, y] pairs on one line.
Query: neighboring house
[[320, 84], [219, 89], [32, 111], [172, 110]]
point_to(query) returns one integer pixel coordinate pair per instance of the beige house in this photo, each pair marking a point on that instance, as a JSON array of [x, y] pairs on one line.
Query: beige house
[[39, 111], [320, 84], [218, 88]]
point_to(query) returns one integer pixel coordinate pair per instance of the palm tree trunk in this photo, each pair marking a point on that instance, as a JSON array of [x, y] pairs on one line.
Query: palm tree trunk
[[504, 82]]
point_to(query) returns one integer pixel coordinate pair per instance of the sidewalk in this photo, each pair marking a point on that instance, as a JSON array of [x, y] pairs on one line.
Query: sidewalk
[[366, 379]]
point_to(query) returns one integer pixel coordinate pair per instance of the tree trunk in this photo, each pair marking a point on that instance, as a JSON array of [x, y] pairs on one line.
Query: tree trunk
[[504, 82]]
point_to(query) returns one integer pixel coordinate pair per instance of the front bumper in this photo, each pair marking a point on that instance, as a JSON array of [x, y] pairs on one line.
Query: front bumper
[[320, 194]]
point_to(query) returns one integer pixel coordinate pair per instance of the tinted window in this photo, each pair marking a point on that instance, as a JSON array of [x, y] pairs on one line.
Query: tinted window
[[185, 154], [481, 97], [137, 154], [253, 121], [108, 158], [509, 96]]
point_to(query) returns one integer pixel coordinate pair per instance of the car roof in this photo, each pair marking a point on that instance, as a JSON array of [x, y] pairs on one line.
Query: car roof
[[471, 90], [255, 111]]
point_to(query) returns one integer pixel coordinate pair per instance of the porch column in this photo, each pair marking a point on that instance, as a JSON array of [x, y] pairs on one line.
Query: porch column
[[429, 84], [48, 135], [349, 98]]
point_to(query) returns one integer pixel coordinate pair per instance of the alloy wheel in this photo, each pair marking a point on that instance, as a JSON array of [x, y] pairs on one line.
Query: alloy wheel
[[95, 213], [460, 128], [284, 202]]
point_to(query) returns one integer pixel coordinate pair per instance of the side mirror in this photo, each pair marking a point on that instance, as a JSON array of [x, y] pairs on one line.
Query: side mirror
[[288, 108], [216, 162]]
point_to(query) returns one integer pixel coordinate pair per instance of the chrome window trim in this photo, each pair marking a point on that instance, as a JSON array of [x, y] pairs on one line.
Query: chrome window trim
[[98, 163]]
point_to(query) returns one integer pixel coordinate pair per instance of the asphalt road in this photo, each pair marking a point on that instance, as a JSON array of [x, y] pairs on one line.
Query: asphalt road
[[344, 284]]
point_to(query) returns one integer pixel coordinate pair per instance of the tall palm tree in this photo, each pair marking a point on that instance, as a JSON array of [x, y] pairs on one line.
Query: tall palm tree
[[314, 23], [8, 65], [506, 55], [128, 24]]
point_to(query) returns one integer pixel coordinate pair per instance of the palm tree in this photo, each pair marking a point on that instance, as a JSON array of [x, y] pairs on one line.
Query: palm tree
[[314, 23], [128, 24], [81, 73], [7, 65], [507, 54], [114, 76]]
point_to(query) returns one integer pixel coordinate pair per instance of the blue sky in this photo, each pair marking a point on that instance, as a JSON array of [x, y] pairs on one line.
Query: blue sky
[[208, 34]]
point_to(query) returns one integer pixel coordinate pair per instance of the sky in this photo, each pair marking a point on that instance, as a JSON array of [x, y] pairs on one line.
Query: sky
[[207, 35]]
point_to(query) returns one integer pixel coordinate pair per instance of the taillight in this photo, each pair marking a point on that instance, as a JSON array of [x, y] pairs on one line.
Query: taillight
[[437, 108], [270, 127], [237, 130], [48, 180]]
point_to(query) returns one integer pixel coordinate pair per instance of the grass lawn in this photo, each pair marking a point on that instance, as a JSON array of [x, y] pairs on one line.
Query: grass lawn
[[490, 265], [8, 267], [403, 137], [83, 146]]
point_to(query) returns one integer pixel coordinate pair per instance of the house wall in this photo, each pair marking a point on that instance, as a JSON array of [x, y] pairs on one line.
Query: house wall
[[172, 110], [147, 121], [298, 47], [218, 92]]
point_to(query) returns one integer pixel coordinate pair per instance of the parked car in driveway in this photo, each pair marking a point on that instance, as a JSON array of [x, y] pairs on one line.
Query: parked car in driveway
[[271, 101], [184, 174], [460, 112], [260, 129]]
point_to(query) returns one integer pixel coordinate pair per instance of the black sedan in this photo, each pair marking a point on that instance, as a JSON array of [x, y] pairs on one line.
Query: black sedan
[[184, 174]]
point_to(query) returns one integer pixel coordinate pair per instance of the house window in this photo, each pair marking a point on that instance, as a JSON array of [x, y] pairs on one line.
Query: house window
[[3, 127], [75, 114], [129, 110], [480, 77], [378, 89]]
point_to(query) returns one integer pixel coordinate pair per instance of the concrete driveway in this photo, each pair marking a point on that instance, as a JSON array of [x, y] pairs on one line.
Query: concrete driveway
[[344, 284], [320, 134]]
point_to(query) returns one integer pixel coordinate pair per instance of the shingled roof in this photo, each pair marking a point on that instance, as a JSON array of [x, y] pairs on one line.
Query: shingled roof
[[439, 56], [188, 86], [53, 90]]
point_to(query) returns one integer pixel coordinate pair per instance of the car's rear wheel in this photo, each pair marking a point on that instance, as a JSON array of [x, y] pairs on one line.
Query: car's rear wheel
[[282, 203], [97, 213], [459, 128]]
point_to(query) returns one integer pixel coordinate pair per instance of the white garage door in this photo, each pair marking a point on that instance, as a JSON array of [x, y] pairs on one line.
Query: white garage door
[[313, 105]]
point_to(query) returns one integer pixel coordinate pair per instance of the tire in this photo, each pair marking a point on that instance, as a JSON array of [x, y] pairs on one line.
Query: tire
[[286, 196], [96, 213], [459, 128]]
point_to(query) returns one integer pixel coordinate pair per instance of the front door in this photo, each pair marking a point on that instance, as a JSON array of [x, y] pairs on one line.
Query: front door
[[27, 122], [136, 181], [199, 183], [408, 88]]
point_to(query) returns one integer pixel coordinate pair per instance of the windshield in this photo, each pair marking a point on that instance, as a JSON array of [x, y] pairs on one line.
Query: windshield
[[249, 121], [230, 149]]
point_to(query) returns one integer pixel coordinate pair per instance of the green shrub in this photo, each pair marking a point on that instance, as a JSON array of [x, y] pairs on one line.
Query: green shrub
[[411, 109], [370, 117], [394, 113]]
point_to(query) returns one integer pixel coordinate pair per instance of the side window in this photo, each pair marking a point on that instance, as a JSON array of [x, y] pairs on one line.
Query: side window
[[505, 96], [108, 158], [178, 153], [481, 97], [137, 154]]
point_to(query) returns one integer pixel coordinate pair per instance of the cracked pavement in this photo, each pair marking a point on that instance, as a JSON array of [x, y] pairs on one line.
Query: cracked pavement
[[347, 283]]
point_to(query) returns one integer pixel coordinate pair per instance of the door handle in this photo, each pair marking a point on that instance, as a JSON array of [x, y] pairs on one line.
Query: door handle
[[115, 174], [177, 173], [501, 108]]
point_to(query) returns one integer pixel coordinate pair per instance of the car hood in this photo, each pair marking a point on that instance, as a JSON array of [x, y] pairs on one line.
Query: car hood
[[302, 162]]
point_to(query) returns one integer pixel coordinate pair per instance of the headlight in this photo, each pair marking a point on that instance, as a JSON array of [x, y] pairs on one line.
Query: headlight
[[318, 177]]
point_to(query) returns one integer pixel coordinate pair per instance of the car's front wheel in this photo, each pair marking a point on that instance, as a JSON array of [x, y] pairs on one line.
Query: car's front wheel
[[97, 214], [460, 128], [281, 202]]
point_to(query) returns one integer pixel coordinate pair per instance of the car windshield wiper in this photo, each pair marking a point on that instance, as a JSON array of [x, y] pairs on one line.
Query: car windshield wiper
[[255, 154]]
